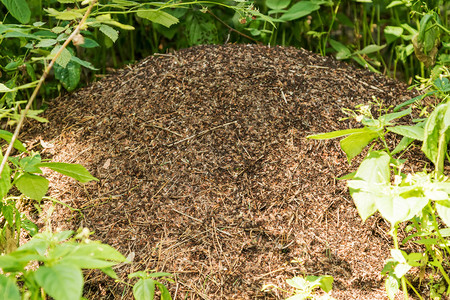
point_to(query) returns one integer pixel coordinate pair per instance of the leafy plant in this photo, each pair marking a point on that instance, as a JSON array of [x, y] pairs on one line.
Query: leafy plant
[[305, 287], [421, 199], [146, 285]]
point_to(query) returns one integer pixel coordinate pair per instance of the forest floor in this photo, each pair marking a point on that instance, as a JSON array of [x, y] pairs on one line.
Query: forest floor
[[205, 171]]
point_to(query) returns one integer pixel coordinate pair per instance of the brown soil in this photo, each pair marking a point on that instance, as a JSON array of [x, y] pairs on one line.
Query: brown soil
[[205, 171]]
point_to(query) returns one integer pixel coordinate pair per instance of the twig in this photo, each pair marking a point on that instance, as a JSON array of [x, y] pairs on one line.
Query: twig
[[200, 134], [234, 30], [41, 81]]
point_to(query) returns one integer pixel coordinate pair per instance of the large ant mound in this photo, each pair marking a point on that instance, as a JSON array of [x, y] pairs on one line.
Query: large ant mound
[[205, 171]]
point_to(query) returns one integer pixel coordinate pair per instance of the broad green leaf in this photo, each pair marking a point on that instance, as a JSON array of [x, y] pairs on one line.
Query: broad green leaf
[[325, 282], [277, 4], [63, 59], [61, 281], [338, 133], [372, 175], [69, 76], [442, 84], [355, 143], [83, 63], [110, 32], [8, 288], [75, 171], [144, 289], [342, 51], [438, 123], [32, 186], [443, 209], [370, 49], [89, 43], [393, 208], [7, 136], [28, 163], [299, 10], [19, 9], [66, 15], [46, 43], [165, 295], [159, 274], [413, 132], [395, 3], [84, 262], [98, 251], [158, 16], [401, 269], [392, 33], [30, 227], [119, 25], [8, 214]]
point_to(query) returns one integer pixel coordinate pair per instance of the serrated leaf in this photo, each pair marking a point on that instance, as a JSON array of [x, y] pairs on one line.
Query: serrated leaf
[[75, 171], [46, 43], [19, 9], [32, 186], [4, 88], [8, 288], [64, 58], [61, 281], [158, 16], [69, 76], [66, 15], [110, 32]]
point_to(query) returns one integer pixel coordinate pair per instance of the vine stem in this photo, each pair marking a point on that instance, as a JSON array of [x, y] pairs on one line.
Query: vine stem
[[41, 81]]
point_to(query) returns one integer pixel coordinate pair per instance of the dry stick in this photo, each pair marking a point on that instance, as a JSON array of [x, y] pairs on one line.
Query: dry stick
[[234, 30], [41, 81]]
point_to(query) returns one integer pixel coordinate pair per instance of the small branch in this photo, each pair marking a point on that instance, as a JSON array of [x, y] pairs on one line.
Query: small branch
[[232, 29], [41, 81]]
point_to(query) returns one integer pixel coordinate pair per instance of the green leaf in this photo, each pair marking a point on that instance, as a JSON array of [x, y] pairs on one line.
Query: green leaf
[[5, 180], [83, 63], [392, 33], [30, 227], [89, 43], [69, 76], [32, 186], [395, 3], [8, 213], [8, 288], [396, 115], [165, 295], [443, 209], [201, 29], [28, 164], [4, 88], [46, 43], [144, 289], [412, 132], [437, 125], [75, 171], [110, 32], [355, 143], [158, 16], [372, 175], [63, 59], [392, 287], [19, 9], [338, 133], [370, 49], [404, 143], [7, 136], [98, 251], [110, 272], [442, 84], [277, 4], [61, 281], [299, 10], [325, 282], [342, 51], [67, 15]]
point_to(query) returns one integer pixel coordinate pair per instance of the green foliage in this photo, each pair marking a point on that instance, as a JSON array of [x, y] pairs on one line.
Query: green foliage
[[420, 199], [306, 287], [146, 285]]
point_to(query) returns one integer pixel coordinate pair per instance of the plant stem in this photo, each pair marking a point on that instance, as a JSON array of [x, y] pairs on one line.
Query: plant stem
[[403, 279], [41, 81]]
